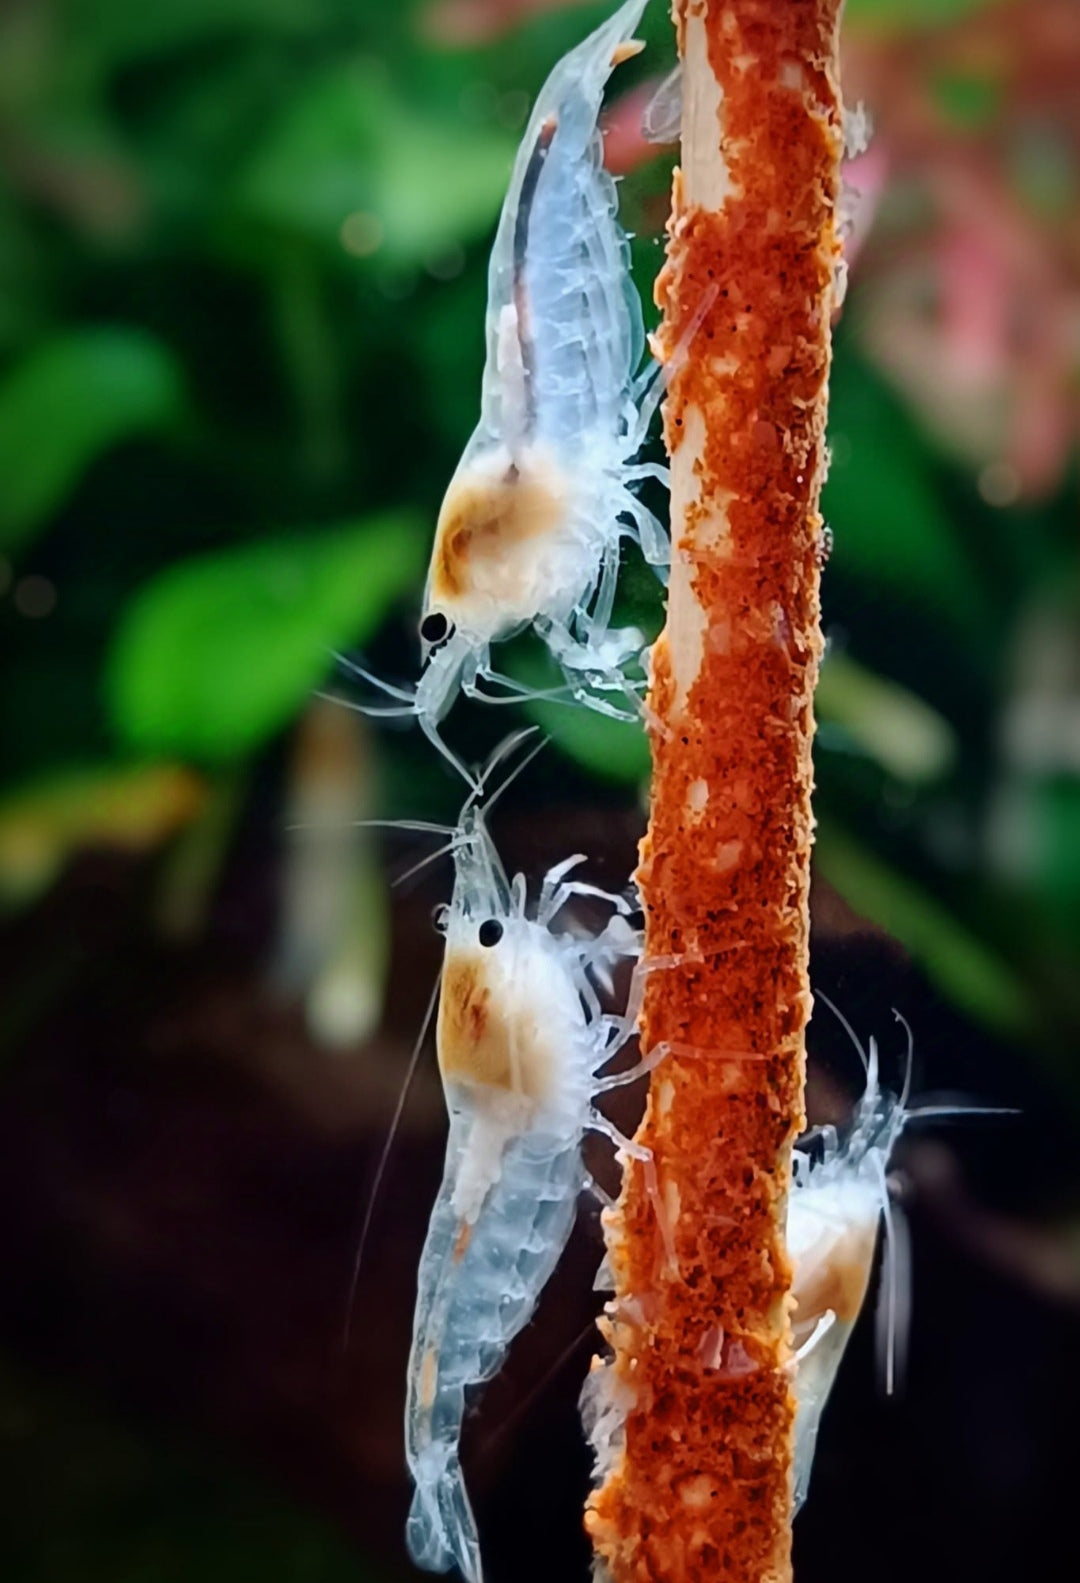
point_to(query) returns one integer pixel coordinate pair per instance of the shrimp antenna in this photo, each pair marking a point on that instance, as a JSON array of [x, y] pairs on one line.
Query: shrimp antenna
[[519, 768], [894, 1304], [424, 862], [819, 994], [524, 1403], [421, 826], [369, 711], [384, 1157], [504, 750], [392, 689], [909, 1060]]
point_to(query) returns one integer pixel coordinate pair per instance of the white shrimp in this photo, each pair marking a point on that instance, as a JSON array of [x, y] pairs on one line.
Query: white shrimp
[[521, 1037], [837, 1201], [839, 1196], [530, 528]]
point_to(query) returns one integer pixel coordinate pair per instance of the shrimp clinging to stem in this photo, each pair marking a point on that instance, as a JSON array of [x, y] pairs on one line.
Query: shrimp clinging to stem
[[840, 1196], [521, 1038], [530, 528]]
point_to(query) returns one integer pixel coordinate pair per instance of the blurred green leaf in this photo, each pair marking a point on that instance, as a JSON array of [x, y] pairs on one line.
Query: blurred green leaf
[[216, 654], [961, 965], [131, 809], [884, 503], [118, 32], [910, 13], [66, 403], [891, 725], [613, 750], [970, 100], [350, 152]]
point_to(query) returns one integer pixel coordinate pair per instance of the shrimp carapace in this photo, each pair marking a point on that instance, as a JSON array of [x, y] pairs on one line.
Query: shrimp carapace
[[498, 1030], [485, 566]]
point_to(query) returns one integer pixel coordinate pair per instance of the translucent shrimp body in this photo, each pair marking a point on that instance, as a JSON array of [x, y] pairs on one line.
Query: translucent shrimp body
[[837, 1201], [520, 1038], [530, 527]]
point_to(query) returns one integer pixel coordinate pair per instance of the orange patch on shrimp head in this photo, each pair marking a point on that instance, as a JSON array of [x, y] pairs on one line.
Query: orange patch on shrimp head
[[485, 542], [836, 1277], [481, 1040]]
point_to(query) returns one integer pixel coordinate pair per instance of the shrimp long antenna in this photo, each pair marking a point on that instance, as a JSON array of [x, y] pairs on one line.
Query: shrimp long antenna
[[505, 749], [517, 770], [896, 1283], [403, 694], [384, 1157], [909, 1060], [819, 994], [421, 826], [522, 1406], [424, 862], [369, 711]]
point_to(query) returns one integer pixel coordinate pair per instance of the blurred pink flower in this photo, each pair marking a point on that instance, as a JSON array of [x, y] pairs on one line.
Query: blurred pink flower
[[970, 285]]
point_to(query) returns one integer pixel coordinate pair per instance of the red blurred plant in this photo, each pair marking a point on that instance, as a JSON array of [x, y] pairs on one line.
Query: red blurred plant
[[970, 285]]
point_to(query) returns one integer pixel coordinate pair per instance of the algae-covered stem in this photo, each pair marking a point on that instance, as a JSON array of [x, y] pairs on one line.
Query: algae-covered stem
[[696, 1482]]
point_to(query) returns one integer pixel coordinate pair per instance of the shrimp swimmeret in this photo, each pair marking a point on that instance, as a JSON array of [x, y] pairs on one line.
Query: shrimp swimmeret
[[530, 528], [521, 1037]]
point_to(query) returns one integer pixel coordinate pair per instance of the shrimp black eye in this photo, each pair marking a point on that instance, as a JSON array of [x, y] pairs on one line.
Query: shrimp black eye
[[440, 917], [636, 919], [435, 628], [490, 932]]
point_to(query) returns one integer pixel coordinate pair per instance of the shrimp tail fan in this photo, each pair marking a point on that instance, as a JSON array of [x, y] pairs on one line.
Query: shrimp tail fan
[[441, 1529]]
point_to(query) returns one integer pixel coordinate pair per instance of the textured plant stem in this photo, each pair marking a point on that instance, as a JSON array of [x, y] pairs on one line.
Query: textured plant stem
[[699, 1322]]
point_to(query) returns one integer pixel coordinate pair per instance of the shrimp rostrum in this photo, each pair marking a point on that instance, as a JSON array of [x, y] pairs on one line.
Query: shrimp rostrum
[[521, 1037], [529, 531]]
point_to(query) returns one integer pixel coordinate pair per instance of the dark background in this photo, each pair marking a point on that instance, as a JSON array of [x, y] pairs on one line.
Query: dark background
[[242, 257]]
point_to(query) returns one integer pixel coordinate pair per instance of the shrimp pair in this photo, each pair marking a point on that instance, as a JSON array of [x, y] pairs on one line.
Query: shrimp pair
[[530, 529], [521, 1039]]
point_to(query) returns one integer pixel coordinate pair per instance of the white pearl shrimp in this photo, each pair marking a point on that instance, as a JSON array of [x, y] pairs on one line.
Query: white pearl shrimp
[[530, 528], [521, 1039], [840, 1195]]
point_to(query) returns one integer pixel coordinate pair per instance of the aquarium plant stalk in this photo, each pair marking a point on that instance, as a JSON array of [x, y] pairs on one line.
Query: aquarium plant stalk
[[694, 1428]]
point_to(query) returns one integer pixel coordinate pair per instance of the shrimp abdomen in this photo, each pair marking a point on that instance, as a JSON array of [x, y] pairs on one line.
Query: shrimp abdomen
[[562, 269], [478, 1287]]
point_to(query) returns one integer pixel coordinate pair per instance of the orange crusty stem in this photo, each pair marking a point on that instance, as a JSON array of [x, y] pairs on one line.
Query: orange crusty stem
[[701, 1487]]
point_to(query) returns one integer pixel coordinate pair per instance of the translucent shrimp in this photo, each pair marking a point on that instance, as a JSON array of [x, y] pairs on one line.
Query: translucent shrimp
[[839, 1197], [521, 1038], [529, 531]]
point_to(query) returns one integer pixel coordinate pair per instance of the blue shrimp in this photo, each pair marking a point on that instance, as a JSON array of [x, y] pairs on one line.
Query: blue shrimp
[[530, 528], [521, 1038]]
